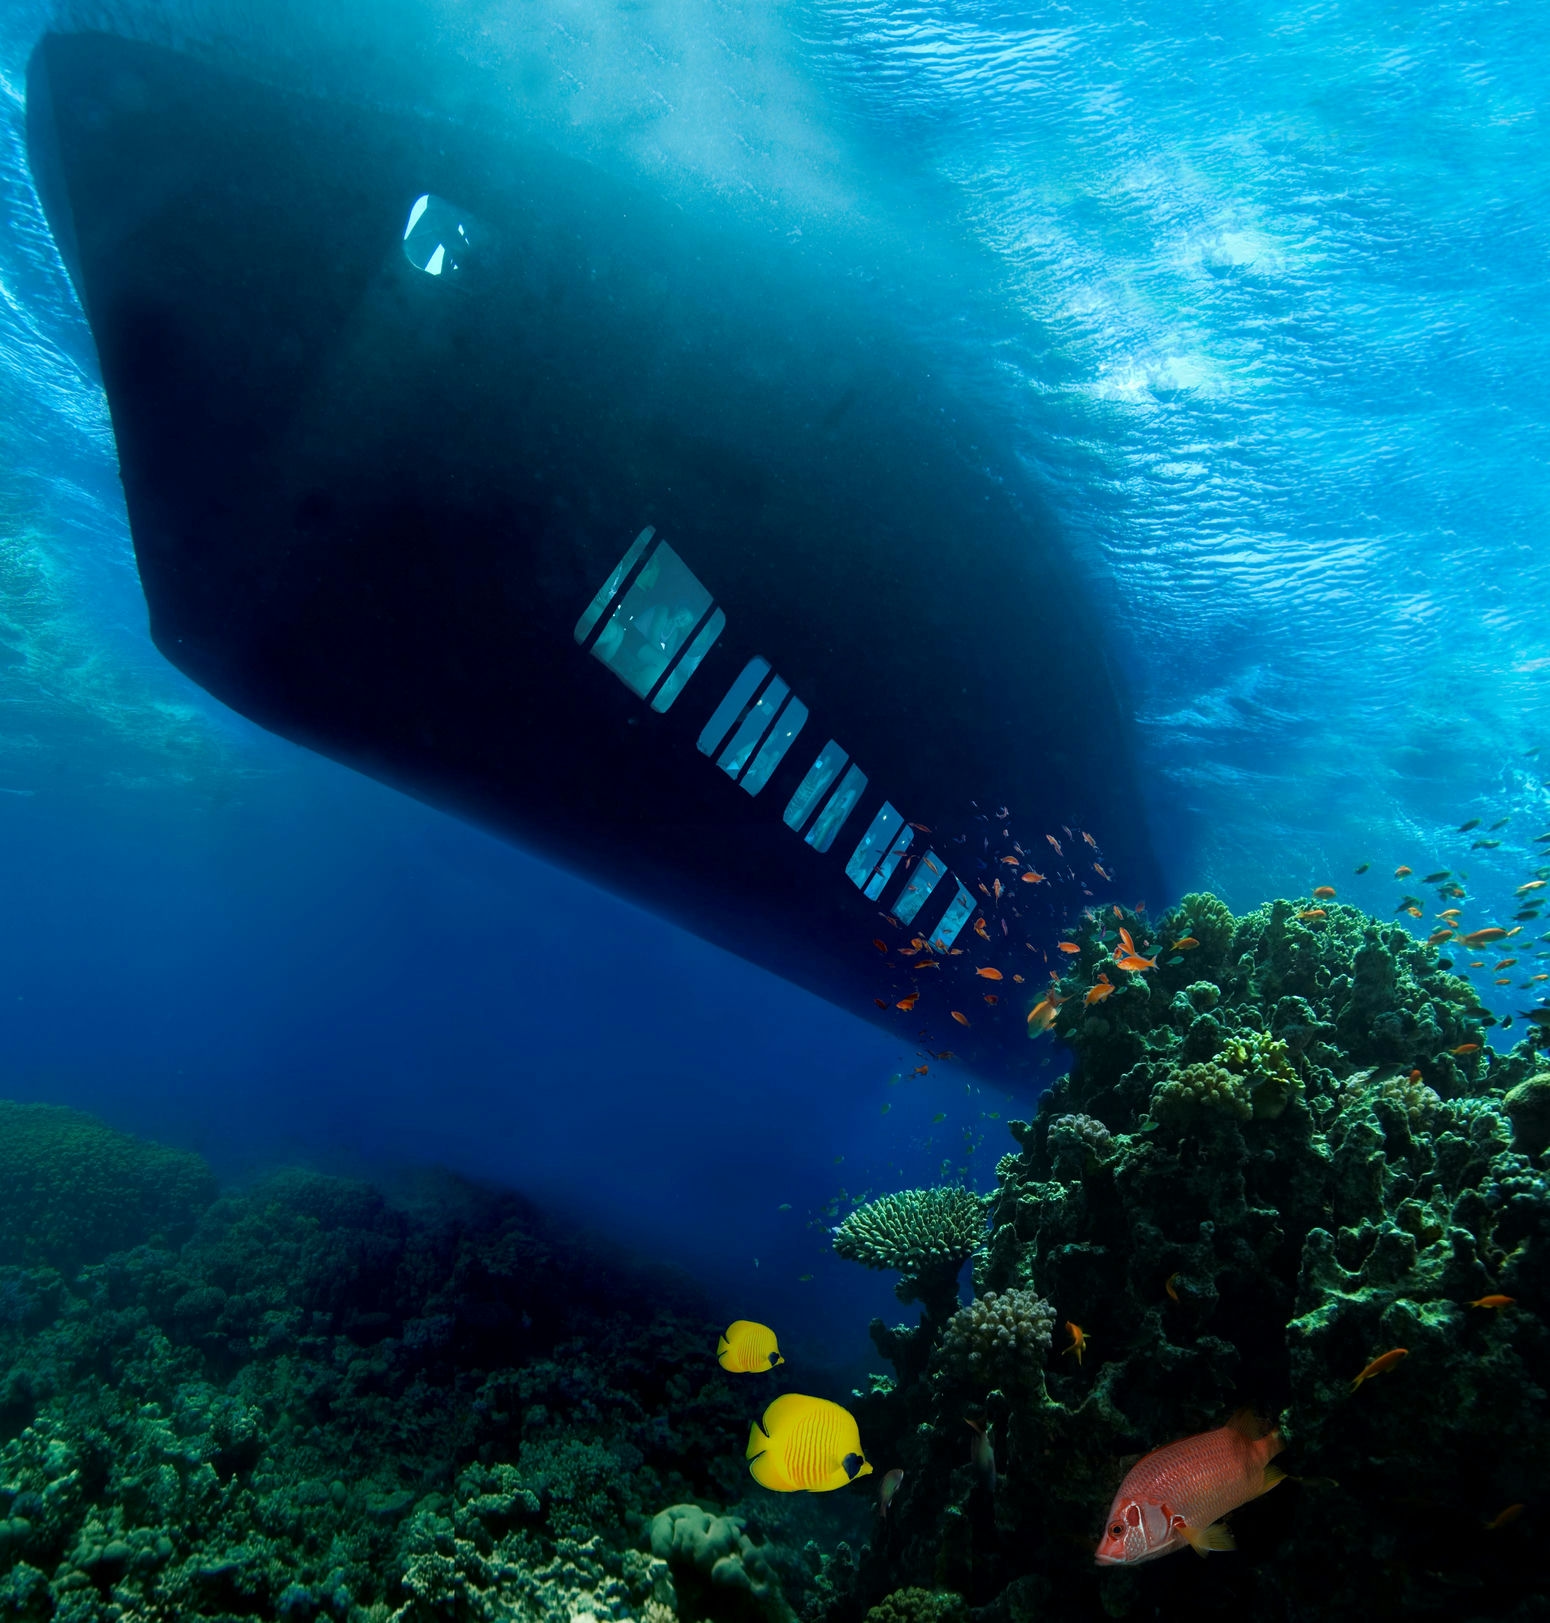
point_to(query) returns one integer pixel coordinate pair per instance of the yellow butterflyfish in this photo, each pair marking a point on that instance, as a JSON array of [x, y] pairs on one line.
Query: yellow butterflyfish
[[746, 1347], [805, 1445]]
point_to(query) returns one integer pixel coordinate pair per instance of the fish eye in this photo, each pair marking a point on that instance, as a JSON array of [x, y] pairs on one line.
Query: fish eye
[[1117, 1530]]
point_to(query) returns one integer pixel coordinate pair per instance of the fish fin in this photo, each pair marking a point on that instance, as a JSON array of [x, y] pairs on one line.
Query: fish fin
[[767, 1473], [1273, 1475], [1201, 1539], [1249, 1425], [758, 1441]]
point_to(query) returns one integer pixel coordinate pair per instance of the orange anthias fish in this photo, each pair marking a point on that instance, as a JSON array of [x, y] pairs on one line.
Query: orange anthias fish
[[1134, 962], [1479, 938], [1097, 993], [1011, 862], [1325, 893], [989, 974], [1504, 1518], [1403, 872], [1381, 1365], [1056, 843], [908, 1003], [1533, 884], [1078, 1341], [1494, 1300], [1313, 913], [1042, 1015], [1032, 878], [981, 930], [1068, 946], [962, 1019], [1178, 1495], [1184, 943], [1465, 1048]]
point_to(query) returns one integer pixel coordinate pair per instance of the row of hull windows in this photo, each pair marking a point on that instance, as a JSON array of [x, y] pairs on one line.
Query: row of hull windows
[[652, 623]]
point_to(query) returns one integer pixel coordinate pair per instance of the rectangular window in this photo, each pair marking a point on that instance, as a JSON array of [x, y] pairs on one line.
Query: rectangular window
[[755, 724], [704, 641], [815, 785], [773, 750], [885, 868], [929, 873], [836, 809], [610, 587], [733, 705], [652, 622], [953, 920], [872, 846]]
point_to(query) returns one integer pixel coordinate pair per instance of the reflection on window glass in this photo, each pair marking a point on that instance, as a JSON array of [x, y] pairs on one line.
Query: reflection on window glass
[[836, 809], [439, 238], [928, 874], [754, 726], [605, 593], [885, 868], [872, 845], [820, 775], [773, 750], [704, 641], [953, 920], [733, 705], [652, 622]]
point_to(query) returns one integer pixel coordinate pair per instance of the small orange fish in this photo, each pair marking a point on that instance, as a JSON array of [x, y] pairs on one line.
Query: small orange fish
[[1452, 913], [990, 997], [1415, 1076], [962, 1019], [1018, 979], [1479, 938], [1313, 913], [1068, 946], [922, 1070], [981, 929], [1466, 1048], [1507, 963], [1090, 840], [882, 946], [1056, 843], [1496, 1301], [1078, 1341], [879, 1002], [1402, 872], [908, 1003], [1102, 873], [1503, 1517], [995, 886], [1168, 1286], [1098, 993], [921, 826], [1134, 962], [1184, 943], [1414, 912], [989, 974], [1011, 862], [1504, 980], [1325, 893], [1032, 878], [1533, 884], [1042, 1015], [1436, 936], [932, 866], [1381, 1365]]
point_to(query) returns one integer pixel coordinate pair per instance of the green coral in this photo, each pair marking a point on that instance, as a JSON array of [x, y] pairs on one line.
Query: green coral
[[920, 1606], [925, 1234], [999, 1339], [76, 1189], [720, 1570], [327, 1405], [1300, 1174]]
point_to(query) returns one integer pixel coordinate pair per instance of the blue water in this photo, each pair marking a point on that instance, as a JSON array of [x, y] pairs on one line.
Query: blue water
[[1261, 297]]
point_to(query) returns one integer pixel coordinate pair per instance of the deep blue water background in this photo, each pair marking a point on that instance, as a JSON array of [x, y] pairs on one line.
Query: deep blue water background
[[1264, 291]]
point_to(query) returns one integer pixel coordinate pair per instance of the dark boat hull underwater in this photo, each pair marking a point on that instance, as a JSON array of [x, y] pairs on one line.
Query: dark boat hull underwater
[[664, 556]]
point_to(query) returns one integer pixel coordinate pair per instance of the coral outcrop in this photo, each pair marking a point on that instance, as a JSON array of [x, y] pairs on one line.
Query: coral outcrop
[[1280, 1154], [326, 1405]]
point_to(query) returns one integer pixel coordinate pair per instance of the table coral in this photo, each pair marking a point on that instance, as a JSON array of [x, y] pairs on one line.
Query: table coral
[[925, 1234]]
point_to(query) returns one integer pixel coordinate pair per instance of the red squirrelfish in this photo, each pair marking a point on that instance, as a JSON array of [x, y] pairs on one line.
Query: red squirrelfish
[[1178, 1495]]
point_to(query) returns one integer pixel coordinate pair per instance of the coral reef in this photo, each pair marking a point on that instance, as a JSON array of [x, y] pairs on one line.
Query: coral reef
[[1279, 1154], [925, 1234], [328, 1405], [75, 1189]]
